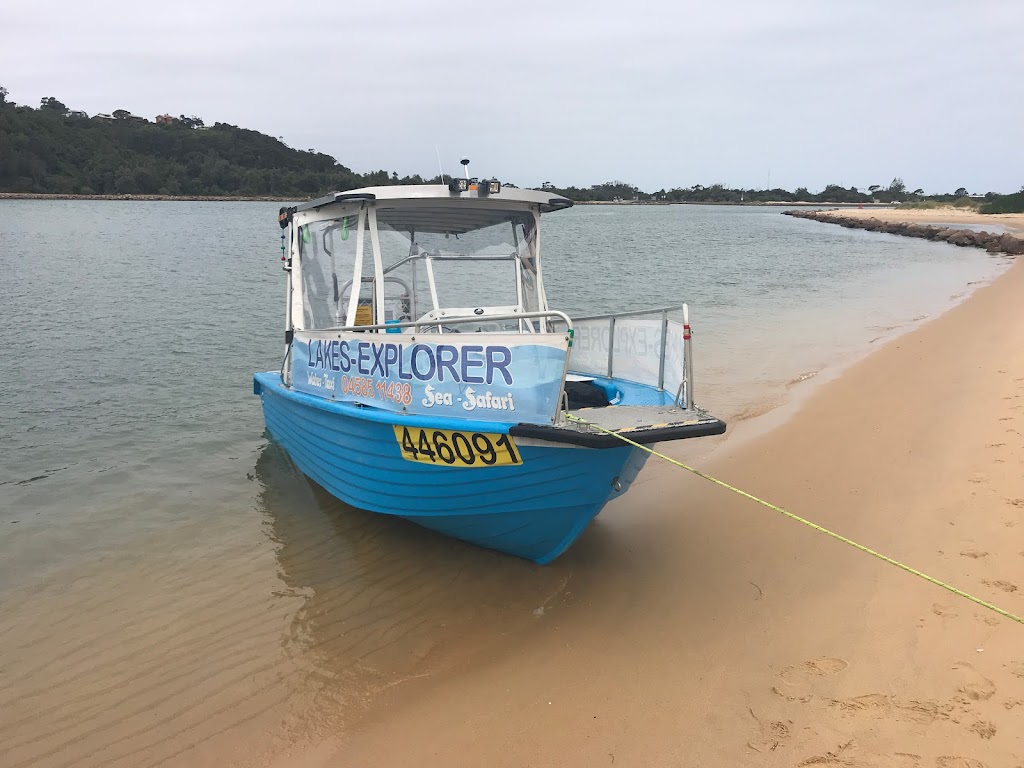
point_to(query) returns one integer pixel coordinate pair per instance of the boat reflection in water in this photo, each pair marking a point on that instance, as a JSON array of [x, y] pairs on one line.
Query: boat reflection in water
[[383, 601]]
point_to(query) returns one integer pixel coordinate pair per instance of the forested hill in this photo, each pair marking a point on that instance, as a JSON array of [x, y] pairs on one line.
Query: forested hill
[[54, 150], [57, 150]]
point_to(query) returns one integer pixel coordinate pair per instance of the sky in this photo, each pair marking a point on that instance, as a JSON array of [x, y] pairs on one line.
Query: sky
[[658, 94]]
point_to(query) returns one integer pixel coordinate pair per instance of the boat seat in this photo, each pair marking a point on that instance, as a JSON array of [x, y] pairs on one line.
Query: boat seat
[[582, 392]]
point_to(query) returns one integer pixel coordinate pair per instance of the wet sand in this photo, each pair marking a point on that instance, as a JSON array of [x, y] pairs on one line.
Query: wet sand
[[701, 629], [687, 627], [1011, 222]]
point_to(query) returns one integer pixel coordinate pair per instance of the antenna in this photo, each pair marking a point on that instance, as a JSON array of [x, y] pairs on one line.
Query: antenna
[[465, 164], [440, 170]]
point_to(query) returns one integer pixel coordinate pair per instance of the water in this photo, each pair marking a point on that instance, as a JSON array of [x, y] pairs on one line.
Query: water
[[165, 574]]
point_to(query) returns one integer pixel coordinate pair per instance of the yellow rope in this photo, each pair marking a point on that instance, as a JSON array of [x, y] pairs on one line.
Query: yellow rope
[[808, 523]]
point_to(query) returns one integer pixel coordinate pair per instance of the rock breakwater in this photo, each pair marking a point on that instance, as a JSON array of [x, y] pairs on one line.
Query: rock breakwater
[[993, 242]]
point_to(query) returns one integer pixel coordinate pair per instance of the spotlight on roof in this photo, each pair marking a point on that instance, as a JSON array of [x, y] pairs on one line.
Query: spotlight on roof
[[488, 187]]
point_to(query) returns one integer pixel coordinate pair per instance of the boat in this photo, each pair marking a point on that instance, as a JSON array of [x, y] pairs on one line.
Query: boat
[[425, 375]]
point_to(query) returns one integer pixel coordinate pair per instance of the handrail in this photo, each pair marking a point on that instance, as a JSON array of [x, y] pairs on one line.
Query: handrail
[[632, 314], [455, 320]]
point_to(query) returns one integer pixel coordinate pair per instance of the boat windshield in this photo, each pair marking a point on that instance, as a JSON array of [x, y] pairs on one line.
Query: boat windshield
[[328, 251], [461, 262]]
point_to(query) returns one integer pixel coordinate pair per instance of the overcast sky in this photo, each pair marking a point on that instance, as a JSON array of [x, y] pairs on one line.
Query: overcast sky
[[657, 94]]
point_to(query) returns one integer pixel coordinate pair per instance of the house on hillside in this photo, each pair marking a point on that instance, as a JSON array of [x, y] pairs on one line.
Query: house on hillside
[[103, 116], [77, 113], [166, 119]]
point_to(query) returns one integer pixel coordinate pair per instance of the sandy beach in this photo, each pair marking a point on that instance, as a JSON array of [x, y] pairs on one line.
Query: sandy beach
[[1012, 222], [698, 629]]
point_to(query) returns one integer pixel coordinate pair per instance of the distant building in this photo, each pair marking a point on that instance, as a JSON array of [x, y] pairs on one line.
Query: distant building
[[77, 113], [103, 116], [166, 119]]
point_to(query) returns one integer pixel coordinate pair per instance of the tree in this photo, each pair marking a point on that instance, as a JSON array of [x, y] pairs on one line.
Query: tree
[[897, 187], [191, 122], [121, 114], [918, 191], [960, 192], [51, 103], [874, 188], [3, 95]]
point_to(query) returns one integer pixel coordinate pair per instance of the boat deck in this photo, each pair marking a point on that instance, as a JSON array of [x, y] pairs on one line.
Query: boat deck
[[626, 418], [640, 423]]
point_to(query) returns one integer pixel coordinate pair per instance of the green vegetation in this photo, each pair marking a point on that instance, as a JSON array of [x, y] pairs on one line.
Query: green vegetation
[[52, 150], [1004, 203], [56, 150], [959, 202]]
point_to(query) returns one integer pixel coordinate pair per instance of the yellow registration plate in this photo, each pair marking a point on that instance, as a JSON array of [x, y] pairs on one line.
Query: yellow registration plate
[[456, 449]]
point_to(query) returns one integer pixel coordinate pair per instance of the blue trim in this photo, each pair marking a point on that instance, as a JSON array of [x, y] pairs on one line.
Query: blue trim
[[535, 510]]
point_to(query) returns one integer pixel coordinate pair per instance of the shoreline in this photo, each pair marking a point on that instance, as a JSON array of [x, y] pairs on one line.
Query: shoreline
[[948, 215], [148, 198], [717, 633], [846, 207], [954, 229]]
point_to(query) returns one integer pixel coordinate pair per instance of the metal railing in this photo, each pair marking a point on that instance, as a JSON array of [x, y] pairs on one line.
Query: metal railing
[[453, 320], [613, 317]]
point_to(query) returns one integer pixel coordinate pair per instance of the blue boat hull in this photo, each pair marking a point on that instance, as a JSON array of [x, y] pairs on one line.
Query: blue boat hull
[[535, 510]]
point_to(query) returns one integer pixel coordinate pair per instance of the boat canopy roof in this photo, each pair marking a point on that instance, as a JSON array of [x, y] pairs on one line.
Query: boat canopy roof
[[445, 198]]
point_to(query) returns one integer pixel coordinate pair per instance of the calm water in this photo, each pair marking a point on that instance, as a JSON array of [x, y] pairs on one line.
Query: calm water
[[163, 570]]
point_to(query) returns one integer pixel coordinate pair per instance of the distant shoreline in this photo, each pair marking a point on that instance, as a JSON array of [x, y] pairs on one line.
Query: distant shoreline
[[272, 199], [752, 204], [147, 198]]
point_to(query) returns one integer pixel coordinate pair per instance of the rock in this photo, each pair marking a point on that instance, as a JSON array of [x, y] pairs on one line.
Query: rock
[[1011, 244], [1007, 243]]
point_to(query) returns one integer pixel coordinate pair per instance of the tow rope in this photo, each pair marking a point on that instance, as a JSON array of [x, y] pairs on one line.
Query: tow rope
[[808, 523]]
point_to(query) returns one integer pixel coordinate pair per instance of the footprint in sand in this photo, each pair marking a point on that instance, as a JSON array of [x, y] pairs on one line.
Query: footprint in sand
[[820, 667], [958, 762], [1015, 502], [1017, 668], [945, 611], [984, 728], [878, 705], [770, 736], [1006, 586], [904, 760], [973, 553], [1013, 703], [977, 687]]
